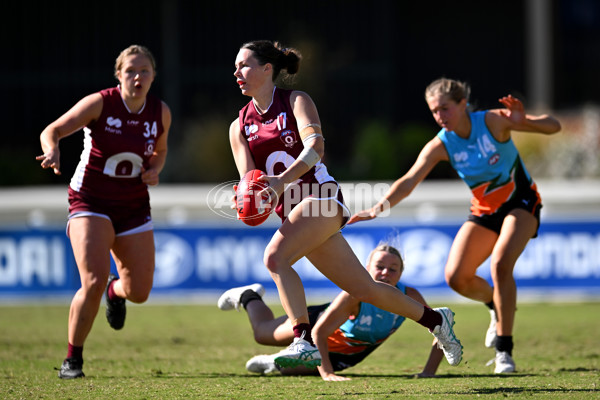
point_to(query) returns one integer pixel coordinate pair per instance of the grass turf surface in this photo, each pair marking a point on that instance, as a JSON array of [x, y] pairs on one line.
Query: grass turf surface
[[199, 352]]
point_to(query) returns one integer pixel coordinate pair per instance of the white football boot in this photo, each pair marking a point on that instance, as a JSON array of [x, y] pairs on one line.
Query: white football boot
[[300, 352], [231, 298], [504, 363], [447, 340], [262, 364]]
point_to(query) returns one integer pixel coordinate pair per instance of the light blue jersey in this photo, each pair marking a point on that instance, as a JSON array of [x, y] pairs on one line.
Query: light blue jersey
[[372, 325], [361, 335], [493, 170]]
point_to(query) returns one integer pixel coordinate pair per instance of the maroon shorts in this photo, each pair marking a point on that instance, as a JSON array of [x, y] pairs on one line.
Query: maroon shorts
[[294, 194], [124, 215]]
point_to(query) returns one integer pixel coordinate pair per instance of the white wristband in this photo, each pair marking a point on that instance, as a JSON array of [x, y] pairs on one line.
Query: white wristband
[[309, 157]]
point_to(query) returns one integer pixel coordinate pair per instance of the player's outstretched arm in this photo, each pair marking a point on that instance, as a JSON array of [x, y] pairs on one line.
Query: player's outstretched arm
[[333, 317], [433, 152], [513, 118]]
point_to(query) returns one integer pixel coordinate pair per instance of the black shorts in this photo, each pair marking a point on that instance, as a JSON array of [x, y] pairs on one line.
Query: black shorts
[[528, 200]]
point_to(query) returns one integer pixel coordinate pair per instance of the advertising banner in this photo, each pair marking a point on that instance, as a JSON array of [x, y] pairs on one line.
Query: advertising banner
[[192, 260]]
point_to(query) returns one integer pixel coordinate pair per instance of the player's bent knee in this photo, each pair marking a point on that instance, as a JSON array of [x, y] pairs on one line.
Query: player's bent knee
[[261, 339], [367, 294], [138, 297], [457, 283], [273, 262]]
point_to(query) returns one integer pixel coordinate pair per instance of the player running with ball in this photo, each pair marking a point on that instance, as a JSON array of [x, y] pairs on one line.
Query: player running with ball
[[279, 132]]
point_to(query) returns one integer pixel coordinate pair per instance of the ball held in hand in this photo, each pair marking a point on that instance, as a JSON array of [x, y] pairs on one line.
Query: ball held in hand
[[254, 201]]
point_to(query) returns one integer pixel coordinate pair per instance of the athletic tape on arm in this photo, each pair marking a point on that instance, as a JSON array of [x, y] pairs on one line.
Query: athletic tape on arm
[[309, 157]]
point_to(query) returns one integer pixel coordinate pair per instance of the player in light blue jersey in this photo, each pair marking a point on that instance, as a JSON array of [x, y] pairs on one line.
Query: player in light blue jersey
[[505, 208], [346, 330]]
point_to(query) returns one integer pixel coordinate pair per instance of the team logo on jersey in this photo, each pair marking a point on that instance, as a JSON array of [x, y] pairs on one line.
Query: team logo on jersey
[[133, 122], [288, 138], [494, 159], [461, 157], [251, 132], [113, 125], [149, 147], [251, 129], [113, 122], [366, 320]]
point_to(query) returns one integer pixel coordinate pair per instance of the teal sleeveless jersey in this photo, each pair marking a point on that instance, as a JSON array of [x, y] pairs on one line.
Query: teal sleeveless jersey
[[372, 325], [493, 170]]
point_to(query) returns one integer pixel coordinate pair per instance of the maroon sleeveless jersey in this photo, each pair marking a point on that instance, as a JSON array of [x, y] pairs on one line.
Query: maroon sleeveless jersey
[[116, 146], [274, 139], [275, 143]]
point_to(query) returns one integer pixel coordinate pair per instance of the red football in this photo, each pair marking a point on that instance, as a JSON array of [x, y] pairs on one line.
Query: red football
[[253, 205]]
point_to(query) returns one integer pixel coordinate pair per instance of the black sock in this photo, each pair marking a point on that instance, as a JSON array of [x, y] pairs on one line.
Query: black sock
[[505, 343], [248, 296], [430, 319]]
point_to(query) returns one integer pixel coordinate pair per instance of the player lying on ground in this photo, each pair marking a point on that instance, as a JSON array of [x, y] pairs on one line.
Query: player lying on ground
[[346, 329]]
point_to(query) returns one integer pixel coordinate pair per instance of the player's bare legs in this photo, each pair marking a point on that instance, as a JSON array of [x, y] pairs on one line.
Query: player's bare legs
[[471, 247], [319, 239], [135, 267], [301, 232], [93, 261], [345, 270], [518, 227], [267, 329]]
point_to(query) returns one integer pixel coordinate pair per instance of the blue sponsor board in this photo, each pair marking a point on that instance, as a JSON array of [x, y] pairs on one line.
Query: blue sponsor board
[[191, 260]]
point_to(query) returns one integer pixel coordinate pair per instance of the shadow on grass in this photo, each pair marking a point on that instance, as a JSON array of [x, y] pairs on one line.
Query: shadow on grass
[[175, 375], [506, 391], [532, 391], [579, 369]]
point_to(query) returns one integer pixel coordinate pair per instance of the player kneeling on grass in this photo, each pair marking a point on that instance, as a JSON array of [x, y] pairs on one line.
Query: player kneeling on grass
[[346, 329]]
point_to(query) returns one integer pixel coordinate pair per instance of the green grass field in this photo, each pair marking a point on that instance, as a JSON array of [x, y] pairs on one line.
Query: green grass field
[[199, 352]]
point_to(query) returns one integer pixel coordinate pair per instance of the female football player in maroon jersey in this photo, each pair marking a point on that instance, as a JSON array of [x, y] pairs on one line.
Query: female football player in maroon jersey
[[279, 132], [125, 147]]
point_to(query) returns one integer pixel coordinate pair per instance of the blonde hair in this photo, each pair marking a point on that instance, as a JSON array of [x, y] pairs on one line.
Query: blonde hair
[[134, 49], [448, 87], [387, 249]]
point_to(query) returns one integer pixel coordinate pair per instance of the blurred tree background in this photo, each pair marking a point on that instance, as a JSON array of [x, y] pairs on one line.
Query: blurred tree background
[[366, 65]]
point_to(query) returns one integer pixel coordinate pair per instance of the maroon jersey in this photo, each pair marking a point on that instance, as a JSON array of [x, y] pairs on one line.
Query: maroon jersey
[[116, 146], [275, 142]]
